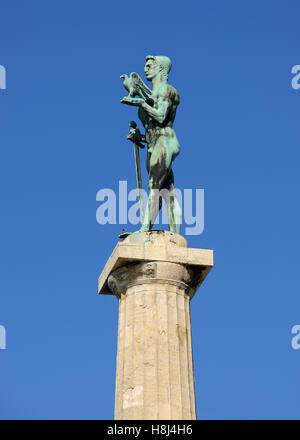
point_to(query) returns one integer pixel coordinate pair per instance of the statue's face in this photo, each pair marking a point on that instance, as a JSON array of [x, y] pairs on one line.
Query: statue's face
[[152, 69]]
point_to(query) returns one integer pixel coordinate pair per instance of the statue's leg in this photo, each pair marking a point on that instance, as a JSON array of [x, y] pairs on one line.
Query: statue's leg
[[173, 209], [159, 166]]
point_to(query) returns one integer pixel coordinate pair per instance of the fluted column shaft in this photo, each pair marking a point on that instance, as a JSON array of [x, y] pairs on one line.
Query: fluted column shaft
[[155, 378]]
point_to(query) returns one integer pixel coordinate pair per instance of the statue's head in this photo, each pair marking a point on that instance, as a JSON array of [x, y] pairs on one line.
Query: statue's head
[[157, 66]]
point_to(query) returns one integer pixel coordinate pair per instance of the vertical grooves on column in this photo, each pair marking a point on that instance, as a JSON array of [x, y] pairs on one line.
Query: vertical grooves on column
[[162, 344], [192, 384], [156, 341], [186, 324], [123, 366], [131, 297], [117, 364], [155, 377], [122, 390], [117, 381], [178, 342], [171, 386], [169, 323], [144, 341], [146, 299], [183, 354]]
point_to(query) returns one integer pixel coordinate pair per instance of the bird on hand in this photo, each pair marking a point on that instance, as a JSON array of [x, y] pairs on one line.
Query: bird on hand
[[136, 86]]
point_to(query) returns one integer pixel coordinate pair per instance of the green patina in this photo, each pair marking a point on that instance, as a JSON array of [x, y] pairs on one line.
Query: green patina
[[157, 111]]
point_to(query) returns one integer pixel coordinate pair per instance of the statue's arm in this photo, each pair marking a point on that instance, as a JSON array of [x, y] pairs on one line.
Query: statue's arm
[[159, 114]]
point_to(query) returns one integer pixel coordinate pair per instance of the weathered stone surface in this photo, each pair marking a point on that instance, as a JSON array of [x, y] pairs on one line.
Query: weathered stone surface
[[154, 278], [158, 246]]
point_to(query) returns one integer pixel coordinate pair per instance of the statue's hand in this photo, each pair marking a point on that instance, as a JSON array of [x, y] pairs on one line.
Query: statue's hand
[[136, 137], [132, 101]]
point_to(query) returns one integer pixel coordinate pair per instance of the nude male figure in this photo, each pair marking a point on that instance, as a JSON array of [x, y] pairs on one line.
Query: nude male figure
[[163, 146]]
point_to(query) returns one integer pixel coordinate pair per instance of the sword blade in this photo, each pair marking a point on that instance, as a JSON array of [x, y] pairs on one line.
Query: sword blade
[[139, 179]]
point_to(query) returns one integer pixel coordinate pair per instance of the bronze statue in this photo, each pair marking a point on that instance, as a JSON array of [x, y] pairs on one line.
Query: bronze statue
[[157, 111]]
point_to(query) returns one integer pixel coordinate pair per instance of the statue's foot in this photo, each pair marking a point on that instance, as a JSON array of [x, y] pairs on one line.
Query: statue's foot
[[125, 234], [143, 229]]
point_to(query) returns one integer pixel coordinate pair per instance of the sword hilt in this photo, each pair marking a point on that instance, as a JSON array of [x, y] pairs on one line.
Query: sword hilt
[[135, 135]]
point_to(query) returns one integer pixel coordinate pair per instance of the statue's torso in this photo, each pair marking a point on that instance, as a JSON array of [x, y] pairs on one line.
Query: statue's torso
[[154, 129]]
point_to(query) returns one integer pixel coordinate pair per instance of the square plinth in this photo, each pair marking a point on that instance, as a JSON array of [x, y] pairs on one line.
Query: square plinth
[[200, 260]]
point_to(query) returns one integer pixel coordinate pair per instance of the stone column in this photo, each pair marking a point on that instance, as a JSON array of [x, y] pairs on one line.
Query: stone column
[[154, 275]]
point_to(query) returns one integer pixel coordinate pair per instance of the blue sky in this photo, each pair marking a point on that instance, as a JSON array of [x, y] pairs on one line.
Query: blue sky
[[62, 132]]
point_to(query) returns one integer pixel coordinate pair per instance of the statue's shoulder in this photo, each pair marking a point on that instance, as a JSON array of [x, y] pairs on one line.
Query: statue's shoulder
[[174, 95]]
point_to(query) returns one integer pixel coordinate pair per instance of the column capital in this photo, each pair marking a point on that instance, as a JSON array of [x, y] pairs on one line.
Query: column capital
[[156, 256], [147, 272]]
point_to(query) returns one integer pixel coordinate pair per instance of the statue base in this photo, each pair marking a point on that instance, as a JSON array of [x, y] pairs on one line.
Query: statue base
[[154, 275]]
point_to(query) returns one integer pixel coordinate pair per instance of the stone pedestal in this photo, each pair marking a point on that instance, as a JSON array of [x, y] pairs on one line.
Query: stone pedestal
[[154, 275]]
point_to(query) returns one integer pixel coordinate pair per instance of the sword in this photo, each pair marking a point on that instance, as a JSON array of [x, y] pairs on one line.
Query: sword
[[135, 136], [139, 178]]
